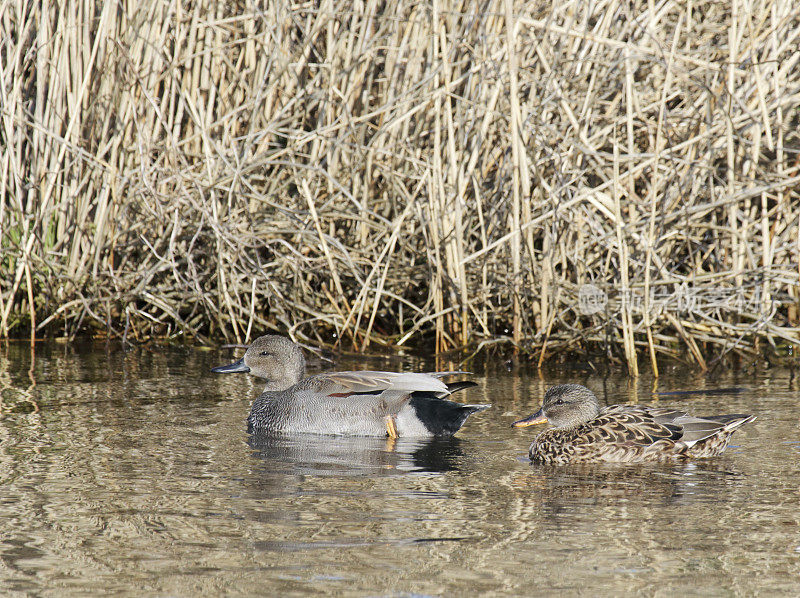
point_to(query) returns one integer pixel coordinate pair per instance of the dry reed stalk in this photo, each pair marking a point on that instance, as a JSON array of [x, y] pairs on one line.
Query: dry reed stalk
[[655, 188], [627, 298], [456, 268], [516, 152], [220, 170]]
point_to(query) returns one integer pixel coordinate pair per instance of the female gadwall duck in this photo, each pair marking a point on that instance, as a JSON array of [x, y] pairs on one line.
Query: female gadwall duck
[[583, 432], [350, 403]]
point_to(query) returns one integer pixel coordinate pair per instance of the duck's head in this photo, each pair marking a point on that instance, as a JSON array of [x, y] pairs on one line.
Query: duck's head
[[565, 406], [272, 357]]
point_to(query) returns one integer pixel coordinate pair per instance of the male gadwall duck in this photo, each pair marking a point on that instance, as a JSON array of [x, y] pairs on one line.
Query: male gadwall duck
[[583, 432], [349, 403]]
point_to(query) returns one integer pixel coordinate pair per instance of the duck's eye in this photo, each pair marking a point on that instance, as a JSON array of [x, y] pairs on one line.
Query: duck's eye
[[559, 402], [265, 353]]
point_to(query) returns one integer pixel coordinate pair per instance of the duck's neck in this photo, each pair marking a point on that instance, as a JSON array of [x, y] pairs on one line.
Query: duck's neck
[[279, 384], [293, 370]]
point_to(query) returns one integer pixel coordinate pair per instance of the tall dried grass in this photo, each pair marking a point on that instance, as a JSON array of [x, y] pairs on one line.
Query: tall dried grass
[[388, 171]]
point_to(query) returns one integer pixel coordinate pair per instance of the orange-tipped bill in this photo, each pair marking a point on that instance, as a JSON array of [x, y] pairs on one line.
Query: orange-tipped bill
[[536, 418]]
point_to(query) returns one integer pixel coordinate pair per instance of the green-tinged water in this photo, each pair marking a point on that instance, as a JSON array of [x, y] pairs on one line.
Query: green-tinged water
[[131, 473]]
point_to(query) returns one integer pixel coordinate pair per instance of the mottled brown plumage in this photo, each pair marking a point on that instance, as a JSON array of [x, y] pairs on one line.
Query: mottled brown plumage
[[583, 432]]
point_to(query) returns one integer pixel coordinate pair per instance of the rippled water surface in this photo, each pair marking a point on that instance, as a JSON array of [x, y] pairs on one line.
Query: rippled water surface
[[131, 473]]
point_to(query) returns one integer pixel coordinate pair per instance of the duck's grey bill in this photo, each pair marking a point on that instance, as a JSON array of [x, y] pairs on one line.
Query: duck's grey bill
[[238, 366]]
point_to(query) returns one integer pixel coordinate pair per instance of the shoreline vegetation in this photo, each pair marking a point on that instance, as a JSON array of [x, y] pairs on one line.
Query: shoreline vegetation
[[562, 176]]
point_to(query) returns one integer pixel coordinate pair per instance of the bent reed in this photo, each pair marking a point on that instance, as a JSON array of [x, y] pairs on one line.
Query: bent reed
[[397, 171]]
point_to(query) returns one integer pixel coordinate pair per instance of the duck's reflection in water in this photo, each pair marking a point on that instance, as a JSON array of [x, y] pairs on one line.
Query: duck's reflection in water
[[689, 482], [316, 454]]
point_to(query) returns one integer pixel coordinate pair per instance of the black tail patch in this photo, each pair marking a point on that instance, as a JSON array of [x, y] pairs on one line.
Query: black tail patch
[[440, 416]]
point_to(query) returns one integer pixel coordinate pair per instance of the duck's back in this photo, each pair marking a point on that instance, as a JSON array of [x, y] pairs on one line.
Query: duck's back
[[632, 433]]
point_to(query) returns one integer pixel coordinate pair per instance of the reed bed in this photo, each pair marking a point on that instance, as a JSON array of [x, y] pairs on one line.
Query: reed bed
[[396, 172]]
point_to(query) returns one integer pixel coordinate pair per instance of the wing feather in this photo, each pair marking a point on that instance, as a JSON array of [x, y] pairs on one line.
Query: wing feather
[[630, 426], [383, 392], [369, 382]]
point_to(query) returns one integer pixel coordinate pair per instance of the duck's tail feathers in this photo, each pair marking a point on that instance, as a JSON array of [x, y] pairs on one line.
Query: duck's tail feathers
[[475, 408], [460, 385], [732, 421], [704, 430]]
